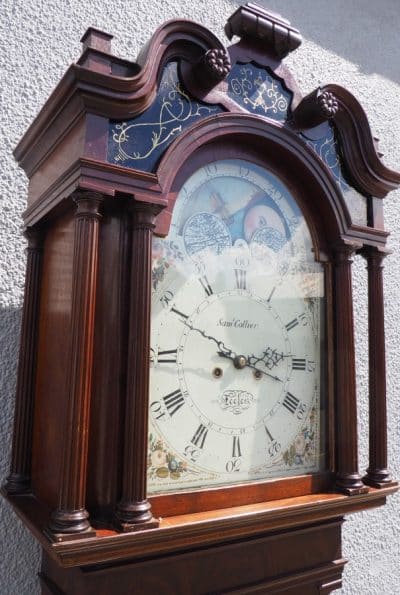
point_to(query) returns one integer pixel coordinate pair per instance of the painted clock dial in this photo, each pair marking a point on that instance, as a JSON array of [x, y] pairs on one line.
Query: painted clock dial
[[237, 335]]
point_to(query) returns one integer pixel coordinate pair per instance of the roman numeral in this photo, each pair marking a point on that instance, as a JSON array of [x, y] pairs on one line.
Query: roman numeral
[[274, 446], [211, 169], [200, 436], [167, 357], [298, 363], [236, 451], [174, 401], [240, 276], [206, 285], [179, 313], [290, 325], [290, 402]]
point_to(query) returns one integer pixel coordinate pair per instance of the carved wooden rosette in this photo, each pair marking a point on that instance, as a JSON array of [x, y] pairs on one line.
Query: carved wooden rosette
[[377, 473], [134, 510], [71, 517], [217, 63], [316, 108], [19, 480], [348, 479]]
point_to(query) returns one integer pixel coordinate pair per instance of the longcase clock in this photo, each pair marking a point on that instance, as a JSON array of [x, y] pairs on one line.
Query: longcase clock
[[186, 402]]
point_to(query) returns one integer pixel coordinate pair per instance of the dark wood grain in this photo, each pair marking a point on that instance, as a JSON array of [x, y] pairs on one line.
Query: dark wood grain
[[348, 479], [199, 529], [109, 362], [71, 516], [254, 22], [52, 353], [377, 473], [363, 164], [133, 509], [302, 560], [201, 500]]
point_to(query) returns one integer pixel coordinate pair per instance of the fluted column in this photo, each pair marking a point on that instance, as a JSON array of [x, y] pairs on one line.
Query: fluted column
[[19, 480], [71, 517], [133, 511], [377, 473], [348, 479]]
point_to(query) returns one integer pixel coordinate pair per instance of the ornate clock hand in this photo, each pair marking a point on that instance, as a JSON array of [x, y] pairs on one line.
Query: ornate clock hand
[[223, 350], [240, 361], [270, 358]]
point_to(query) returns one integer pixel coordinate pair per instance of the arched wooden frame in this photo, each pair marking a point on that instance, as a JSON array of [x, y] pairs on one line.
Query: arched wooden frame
[[275, 148]]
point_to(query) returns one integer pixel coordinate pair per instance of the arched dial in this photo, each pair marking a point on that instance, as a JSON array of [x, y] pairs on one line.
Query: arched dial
[[236, 339]]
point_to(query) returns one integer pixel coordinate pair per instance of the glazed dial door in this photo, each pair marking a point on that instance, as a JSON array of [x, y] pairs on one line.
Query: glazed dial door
[[237, 336]]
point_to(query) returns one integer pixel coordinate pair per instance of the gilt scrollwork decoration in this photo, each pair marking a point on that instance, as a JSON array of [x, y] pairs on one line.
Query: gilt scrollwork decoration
[[258, 91], [327, 150], [140, 142]]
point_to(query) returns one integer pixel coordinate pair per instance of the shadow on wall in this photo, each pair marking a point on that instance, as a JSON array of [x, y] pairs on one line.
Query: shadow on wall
[[18, 574], [376, 48], [10, 322]]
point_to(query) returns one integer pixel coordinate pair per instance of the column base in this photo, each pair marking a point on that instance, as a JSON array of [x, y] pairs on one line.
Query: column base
[[134, 516], [350, 484], [66, 526], [378, 478], [132, 527], [17, 483], [60, 537]]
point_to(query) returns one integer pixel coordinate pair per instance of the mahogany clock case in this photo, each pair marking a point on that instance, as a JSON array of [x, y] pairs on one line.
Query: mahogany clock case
[[96, 199]]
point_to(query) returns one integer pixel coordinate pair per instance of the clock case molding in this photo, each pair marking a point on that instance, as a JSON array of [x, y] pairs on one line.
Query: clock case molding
[[79, 458]]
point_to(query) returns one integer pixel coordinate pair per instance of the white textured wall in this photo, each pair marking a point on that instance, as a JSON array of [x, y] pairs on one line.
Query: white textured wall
[[354, 43]]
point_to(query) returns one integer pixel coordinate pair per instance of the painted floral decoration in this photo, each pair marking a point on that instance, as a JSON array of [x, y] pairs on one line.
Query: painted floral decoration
[[302, 451], [162, 463]]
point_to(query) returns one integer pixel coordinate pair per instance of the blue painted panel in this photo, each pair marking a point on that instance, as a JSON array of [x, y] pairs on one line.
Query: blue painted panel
[[140, 142], [327, 149], [258, 91]]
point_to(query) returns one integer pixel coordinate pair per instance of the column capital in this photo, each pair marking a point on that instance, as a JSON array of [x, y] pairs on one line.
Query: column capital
[[34, 237], [344, 251], [374, 254], [88, 203], [144, 214]]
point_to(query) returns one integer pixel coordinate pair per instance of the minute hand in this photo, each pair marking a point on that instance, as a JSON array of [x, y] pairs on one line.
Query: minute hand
[[223, 350]]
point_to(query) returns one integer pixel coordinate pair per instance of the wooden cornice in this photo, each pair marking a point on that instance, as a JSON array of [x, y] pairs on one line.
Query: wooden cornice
[[369, 173], [90, 86], [84, 89], [364, 167]]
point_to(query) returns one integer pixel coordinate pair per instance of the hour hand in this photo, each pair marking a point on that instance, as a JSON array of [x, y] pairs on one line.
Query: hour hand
[[270, 358]]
